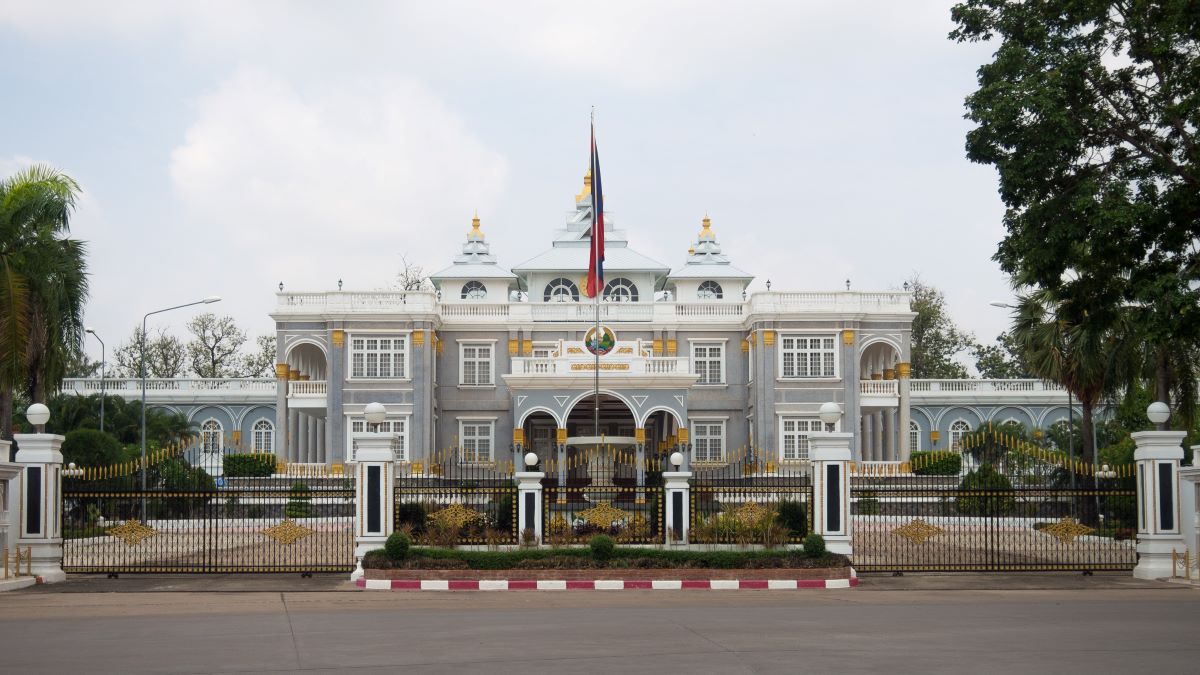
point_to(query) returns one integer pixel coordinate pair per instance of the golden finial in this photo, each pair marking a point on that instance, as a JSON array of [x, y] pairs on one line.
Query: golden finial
[[587, 187], [475, 231], [706, 232], [691, 250]]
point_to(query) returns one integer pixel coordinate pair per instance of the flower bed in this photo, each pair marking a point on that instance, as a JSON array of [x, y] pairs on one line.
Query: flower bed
[[622, 563]]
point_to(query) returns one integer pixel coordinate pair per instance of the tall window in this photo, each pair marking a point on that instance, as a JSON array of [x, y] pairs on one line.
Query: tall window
[[397, 426], [474, 290], [958, 429], [708, 441], [914, 436], [620, 290], [476, 440], [795, 433], [708, 360], [211, 435], [476, 364], [378, 357], [809, 356], [561, 290], [710, 290], [263, 432]]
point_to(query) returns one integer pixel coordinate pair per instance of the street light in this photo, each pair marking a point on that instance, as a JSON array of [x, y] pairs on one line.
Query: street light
[[38, 414], [142, 367], [1001, 304], [375, 414], [1159, 413], [830, 413], [96, 335]]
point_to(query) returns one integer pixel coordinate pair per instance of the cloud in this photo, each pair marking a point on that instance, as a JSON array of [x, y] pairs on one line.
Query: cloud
[[333, 180]]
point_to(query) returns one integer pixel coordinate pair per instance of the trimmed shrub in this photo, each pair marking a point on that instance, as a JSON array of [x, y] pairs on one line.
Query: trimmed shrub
[[582, 558], [936, 463], [397, 546], [299, 502], [602, 547], [90, 447], [867, 504], [411, 514], [989, 493], [248, 465], [814, 545], [794, 516]]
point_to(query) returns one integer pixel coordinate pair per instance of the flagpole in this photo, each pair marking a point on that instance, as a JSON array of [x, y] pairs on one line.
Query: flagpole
[[595, 298]]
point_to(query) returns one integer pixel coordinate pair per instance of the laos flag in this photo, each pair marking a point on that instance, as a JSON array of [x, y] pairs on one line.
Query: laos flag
[[595, 278]]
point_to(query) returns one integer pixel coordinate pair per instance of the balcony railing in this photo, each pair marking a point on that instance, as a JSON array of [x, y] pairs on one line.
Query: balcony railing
[[308, 388], [124, 386], [878, 388], [729, 311], [651, 365], [935, 387]]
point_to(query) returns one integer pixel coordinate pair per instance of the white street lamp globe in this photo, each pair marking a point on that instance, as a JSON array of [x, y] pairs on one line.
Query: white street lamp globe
[[531, 459], [1158, 412], [676, 459], [375, 413], [37, 414], [830, 412]]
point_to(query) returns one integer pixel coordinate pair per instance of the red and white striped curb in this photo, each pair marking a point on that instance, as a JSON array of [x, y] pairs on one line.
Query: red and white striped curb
[[600, 584]]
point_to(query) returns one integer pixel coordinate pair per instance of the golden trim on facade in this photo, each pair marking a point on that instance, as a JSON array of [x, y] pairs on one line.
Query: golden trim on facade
[[847, 337], [338, 337]]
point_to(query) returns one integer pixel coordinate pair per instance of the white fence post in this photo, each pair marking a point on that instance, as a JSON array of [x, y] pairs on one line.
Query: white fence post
[[40, 526], [374, 464], [1157, 456], [830, 456]]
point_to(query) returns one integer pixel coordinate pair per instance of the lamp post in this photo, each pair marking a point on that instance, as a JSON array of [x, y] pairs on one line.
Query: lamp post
[[375, 413], [37, 415], [830, 413], [96, 335], [142, 367]]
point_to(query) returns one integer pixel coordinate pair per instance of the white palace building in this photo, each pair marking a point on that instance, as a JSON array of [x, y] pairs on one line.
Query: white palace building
[[495, 355]]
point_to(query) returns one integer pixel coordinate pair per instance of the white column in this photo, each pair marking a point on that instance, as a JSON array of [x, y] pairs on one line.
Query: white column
[[320, 454], [293, 436], [877, 435], [678, 509], [830, 454], [374, 464], [868, 436], [905, 413], [1157, 456], [529, 504], [40, 508], [889, 436]]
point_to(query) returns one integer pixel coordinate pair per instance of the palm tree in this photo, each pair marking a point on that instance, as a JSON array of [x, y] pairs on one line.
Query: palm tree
[[43, 285], [1085, 354]]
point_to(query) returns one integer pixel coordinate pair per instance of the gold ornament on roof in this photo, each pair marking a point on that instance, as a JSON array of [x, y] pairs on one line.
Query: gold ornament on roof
[[455, 515], [287, 532], [475, 231], [918, 531], [1067, 530], [132, 532], [604, 514], [587, 187], [706, 229]]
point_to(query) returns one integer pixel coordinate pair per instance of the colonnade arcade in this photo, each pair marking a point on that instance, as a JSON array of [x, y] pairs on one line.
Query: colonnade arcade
[[301, 406], [884, 400]]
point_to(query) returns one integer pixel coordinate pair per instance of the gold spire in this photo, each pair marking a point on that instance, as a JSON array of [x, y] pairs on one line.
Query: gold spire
[[587, 187], [691, 250], [475, 231], [706, 232]]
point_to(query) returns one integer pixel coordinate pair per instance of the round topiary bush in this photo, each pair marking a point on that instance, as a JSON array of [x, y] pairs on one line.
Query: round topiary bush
[[814, 545], [602, 547], [397, 545], [986, 492]]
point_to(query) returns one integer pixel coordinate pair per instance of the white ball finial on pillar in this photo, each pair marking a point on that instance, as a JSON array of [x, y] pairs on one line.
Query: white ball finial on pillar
[[676, 459], [38, 414], [531, 459], [1158, 412], [375, 413], [830, 414]]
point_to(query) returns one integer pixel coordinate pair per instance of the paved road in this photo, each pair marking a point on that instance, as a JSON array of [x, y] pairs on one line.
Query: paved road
[[1114, 627]]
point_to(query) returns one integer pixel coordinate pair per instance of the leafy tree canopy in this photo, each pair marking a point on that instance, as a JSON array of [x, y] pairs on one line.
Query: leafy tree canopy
[[936, 340]]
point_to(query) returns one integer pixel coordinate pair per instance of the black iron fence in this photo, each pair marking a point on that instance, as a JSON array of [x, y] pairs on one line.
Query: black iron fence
[[603, 490], [447, 501], [169, 516], [751, 499]]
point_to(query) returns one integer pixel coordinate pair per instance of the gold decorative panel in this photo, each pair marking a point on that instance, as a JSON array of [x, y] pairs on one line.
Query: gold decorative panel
[[338, 337], [658, 347], [1067, 530], [574, 350], [889, 374], [561, 435], [625, 350], [527, 347], [639, 434], [768, 337], [518, 435], [604, 514], [750, 513], [603, 366], [418, 338], [745, 346], [132, 532], [903, 370], [513, 347], [455, 515], [287, 532], [918, 531], [281, 371], [847, 337], [683, 435], [672, 347]]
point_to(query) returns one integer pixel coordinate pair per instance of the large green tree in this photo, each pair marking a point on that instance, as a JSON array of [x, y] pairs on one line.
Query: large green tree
[[936, 340], [1001, 361], [1089, 112], [43, 285]]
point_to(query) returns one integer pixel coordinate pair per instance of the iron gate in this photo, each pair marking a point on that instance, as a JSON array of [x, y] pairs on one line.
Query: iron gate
[[173, 517], [603, 490], [452, 499], [751, 500], [999, 504]]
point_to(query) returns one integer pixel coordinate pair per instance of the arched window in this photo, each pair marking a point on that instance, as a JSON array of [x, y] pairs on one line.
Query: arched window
[[958, 429], [914, 436], [620, 290], [211, 436], [264, 436], [474, 290], [561, 290], [710, 290]]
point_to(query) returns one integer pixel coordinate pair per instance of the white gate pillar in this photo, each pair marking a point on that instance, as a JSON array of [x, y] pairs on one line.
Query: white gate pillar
[[830, 455], [529, 506], [374, 460], [40, 508], [1157, 456]]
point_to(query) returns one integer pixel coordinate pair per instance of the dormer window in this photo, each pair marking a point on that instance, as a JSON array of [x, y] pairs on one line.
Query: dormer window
[[561, 290], [620, 290], [474, 290], [710, 290]]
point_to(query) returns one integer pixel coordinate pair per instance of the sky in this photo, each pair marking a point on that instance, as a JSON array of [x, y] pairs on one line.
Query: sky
[[225, 147]]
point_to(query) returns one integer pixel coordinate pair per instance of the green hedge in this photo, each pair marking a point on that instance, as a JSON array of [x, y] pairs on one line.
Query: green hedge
[[621, 557], [936, 463], [248, 465]]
